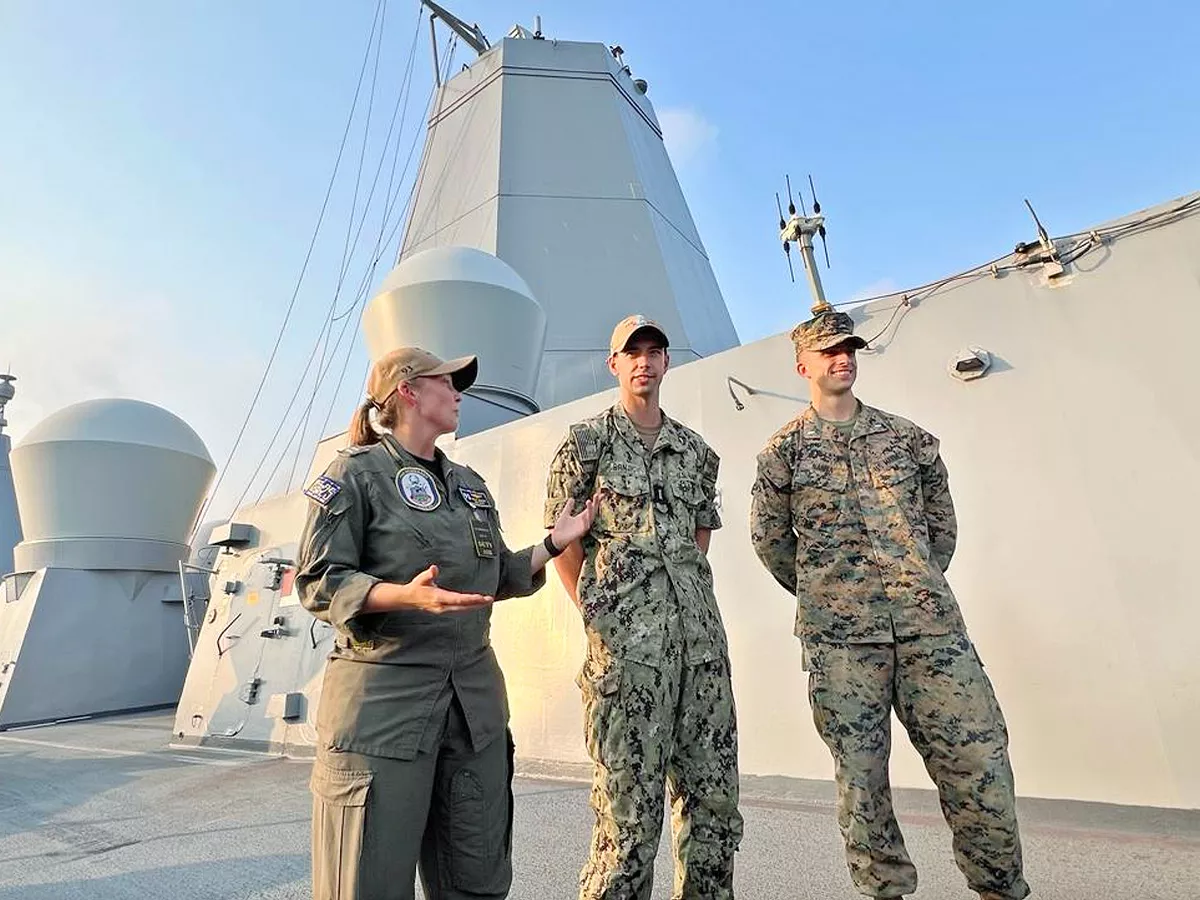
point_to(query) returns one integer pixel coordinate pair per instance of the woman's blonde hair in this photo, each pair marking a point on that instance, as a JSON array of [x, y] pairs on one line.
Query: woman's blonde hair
[[362, 432]]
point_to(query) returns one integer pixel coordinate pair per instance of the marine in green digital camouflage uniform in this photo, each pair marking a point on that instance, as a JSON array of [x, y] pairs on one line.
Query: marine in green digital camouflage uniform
[[402, 553], [658, 702], [851, 513]]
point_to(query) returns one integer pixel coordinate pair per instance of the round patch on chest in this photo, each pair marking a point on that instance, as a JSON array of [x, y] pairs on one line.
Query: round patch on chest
[[418, 489]]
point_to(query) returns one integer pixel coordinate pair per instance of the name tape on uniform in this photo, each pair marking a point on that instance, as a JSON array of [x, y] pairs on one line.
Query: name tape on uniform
[[481, 535]]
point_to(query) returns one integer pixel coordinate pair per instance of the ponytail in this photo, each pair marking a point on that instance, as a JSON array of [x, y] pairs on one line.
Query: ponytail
[[362, 433]]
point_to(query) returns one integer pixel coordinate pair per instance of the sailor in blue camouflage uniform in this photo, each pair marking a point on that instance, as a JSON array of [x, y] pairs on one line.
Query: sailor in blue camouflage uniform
[[658, 701], [851, 513], [402, 553]]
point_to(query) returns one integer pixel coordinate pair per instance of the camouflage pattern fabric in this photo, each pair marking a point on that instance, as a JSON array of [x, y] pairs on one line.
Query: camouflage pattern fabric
[[645, 724], [642, 545], [824, 331], [945, 702], [860, 529], [656, 685]]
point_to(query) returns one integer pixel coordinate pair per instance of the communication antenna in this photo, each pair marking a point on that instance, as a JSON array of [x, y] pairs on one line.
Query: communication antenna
[[817, 211], [1052, 264], [787, 248], [800, 229]]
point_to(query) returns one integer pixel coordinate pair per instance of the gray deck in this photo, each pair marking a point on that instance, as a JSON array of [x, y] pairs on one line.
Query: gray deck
[[105, 809]]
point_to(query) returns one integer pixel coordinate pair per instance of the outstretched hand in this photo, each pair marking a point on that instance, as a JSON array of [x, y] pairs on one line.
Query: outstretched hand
[[571, 526], [423, 593]]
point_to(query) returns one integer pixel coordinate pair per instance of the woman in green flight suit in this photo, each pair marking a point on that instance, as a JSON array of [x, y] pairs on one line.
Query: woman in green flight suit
[[402, 553]]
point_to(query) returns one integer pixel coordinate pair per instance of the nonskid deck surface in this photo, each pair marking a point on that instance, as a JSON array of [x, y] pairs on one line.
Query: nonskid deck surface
[[105, 809]]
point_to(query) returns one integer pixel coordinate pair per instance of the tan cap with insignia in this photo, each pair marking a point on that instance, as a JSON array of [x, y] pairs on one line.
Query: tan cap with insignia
[[628, 327], [828, 329], [407, 363]]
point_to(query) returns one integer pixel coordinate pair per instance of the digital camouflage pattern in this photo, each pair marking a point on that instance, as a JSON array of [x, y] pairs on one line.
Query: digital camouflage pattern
[[824, 331], [656, 684], [642, 545], [946, 703], [859, 526], [860, 529], [636, 738]]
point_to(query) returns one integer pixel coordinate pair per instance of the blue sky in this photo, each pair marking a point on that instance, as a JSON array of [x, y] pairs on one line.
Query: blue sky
[[163, 165]]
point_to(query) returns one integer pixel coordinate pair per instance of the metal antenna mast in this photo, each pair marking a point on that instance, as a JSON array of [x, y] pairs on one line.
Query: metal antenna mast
[[800, 229]]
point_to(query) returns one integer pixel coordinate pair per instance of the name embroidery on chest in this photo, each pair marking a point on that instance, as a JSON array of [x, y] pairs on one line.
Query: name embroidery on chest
[[481, 535], [418, 489]]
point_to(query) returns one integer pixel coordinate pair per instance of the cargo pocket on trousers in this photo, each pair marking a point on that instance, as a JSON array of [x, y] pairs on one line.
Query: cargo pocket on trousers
[[814, 661], [988, 691], [481, 815], [603, 716], [338, 827]]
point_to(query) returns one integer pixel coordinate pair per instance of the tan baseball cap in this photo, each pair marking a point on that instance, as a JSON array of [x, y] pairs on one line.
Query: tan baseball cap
[[628, 327], [407, 363]]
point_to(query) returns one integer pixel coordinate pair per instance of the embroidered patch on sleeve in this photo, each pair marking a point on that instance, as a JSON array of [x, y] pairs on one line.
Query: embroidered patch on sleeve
[[587, 446], [323, 490]]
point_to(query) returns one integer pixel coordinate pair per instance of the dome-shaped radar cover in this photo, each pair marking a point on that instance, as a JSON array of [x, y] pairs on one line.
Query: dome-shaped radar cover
[[119, 421], [101, 481]]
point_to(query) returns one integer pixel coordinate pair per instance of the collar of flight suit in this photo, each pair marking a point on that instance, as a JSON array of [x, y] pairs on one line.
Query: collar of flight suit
[[449, 475]]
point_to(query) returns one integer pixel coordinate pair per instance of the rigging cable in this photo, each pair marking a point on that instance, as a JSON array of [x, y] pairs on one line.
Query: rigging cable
[[347, 249], [321, 338], [1084, 243], [296, 291], [377, 253], [325, 363]]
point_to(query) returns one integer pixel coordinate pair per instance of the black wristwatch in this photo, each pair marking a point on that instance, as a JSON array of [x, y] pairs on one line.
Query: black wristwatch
[[550, 548]]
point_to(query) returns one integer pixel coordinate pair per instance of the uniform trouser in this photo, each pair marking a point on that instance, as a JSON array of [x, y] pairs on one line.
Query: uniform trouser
[[946, 704], [449, 811], [645, 726]]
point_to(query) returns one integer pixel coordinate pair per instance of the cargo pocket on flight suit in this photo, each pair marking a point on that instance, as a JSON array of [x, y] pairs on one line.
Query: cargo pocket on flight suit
[[481, 814], [338, 829]]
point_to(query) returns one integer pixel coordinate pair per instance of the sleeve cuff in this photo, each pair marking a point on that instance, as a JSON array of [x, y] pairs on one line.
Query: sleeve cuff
[[519, 578], [350, 598], [554, 508]]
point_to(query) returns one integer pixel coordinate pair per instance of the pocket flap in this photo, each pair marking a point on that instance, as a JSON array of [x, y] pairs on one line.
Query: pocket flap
[[631, 483], [690, 492], [603, 679], [820, 471], [340, 787], [895, 472]]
